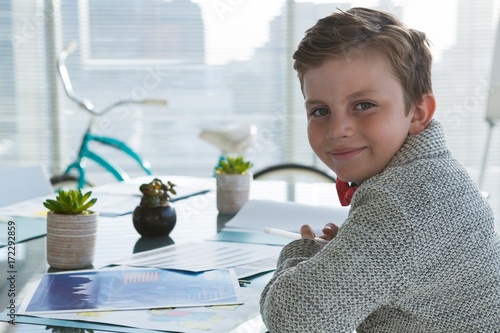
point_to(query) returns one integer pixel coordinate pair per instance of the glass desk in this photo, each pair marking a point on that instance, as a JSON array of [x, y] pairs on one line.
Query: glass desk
[[197, 219]]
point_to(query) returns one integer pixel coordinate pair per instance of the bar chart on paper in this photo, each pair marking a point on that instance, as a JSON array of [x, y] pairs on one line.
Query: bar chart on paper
[[127, 289]]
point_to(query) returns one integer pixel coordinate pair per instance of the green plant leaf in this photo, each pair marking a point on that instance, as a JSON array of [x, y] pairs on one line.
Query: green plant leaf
[[233, 165], [70, 202], [86, 196], [89, 204]]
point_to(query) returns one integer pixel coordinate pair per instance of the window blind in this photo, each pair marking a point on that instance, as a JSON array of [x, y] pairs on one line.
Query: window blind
[[216, 62]]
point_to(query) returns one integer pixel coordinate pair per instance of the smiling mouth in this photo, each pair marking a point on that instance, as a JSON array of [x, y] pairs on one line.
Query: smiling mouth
[[344, 154]]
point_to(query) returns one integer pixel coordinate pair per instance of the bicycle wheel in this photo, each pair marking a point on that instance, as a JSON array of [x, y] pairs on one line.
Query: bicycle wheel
[[65, 182]]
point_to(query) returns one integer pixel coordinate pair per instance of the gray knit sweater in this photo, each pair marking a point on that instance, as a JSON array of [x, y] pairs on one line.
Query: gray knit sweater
[[418, 253]]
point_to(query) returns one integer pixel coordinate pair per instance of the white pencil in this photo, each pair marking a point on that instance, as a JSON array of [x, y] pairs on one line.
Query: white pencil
[[289, 234]]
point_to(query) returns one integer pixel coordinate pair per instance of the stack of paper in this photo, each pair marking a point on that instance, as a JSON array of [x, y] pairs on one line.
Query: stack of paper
[[197, 291], [219, 318], [245, 259], [149, 299]]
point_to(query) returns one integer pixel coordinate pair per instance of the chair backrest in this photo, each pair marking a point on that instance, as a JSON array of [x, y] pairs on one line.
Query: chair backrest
[[23, 183], [493, 106], [294, 173]]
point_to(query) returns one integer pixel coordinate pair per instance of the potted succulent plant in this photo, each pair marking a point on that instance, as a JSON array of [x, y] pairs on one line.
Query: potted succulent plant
[[155, 216], [71, 230], [233, 179]]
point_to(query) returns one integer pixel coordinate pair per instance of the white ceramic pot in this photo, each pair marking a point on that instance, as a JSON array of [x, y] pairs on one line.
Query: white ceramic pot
[[232, 192], [71, 240]]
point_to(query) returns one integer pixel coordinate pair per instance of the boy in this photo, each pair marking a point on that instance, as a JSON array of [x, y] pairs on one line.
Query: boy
[[418, 251]]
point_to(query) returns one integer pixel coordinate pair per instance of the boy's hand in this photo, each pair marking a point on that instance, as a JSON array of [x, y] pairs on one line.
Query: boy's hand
[[329, 232], [307, 232]]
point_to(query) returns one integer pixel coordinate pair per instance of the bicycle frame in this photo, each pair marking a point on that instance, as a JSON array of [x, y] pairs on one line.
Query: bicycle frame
[[85, 153]]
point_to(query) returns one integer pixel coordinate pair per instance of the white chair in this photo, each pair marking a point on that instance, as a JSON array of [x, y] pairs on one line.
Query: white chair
[[23, 183], [295, 173]]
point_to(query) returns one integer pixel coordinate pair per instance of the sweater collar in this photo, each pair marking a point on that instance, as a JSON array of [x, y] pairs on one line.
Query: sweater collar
[[430, 142]]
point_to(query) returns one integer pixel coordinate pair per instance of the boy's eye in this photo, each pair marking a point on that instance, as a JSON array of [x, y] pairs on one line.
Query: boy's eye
[[319, 112], [363, 106]]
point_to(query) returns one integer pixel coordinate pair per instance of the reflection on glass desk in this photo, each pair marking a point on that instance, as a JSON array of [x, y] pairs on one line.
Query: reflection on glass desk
[[197, 219]]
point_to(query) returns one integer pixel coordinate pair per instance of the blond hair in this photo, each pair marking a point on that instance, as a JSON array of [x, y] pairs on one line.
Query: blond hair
[[339, 34]]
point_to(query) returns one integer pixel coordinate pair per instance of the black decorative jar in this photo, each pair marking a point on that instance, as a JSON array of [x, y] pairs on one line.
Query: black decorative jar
[[155, 216], [154, 221]]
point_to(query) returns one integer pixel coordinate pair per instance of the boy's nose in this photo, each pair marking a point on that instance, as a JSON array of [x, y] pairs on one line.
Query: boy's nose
[[340, 127]]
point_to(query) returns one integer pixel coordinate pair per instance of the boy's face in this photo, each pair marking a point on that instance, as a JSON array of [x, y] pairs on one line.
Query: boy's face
[[356, 114]]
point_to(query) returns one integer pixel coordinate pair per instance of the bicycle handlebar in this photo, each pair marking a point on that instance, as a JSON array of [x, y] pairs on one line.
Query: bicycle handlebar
[[85, 103], [131, 101], [154, 101]]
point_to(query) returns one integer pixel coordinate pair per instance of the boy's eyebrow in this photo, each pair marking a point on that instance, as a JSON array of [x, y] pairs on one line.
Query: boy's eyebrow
[[355, 95], [312, 101], [361, 93]]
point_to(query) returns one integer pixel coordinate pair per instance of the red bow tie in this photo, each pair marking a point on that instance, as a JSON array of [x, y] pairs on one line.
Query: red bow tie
[[345, 192]]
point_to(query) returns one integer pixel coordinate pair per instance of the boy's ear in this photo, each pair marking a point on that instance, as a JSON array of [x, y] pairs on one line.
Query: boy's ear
[[422, 114]]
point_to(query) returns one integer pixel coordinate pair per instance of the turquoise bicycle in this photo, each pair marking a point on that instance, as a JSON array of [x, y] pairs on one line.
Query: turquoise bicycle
[[68, 178]]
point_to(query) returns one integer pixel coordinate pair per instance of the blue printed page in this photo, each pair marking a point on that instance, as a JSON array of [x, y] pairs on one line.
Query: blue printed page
[[125, 289]]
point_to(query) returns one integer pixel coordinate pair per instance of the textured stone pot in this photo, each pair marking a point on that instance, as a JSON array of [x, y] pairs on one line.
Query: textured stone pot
[[233, 191], [71, 240], [154, 221]]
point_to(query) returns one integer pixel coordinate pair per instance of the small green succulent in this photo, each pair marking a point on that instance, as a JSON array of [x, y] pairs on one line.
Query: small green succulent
[[233, 165], [155, 194], [70, 202]]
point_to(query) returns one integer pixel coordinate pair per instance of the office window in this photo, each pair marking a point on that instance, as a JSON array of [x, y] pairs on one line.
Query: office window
[[217, 63]]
